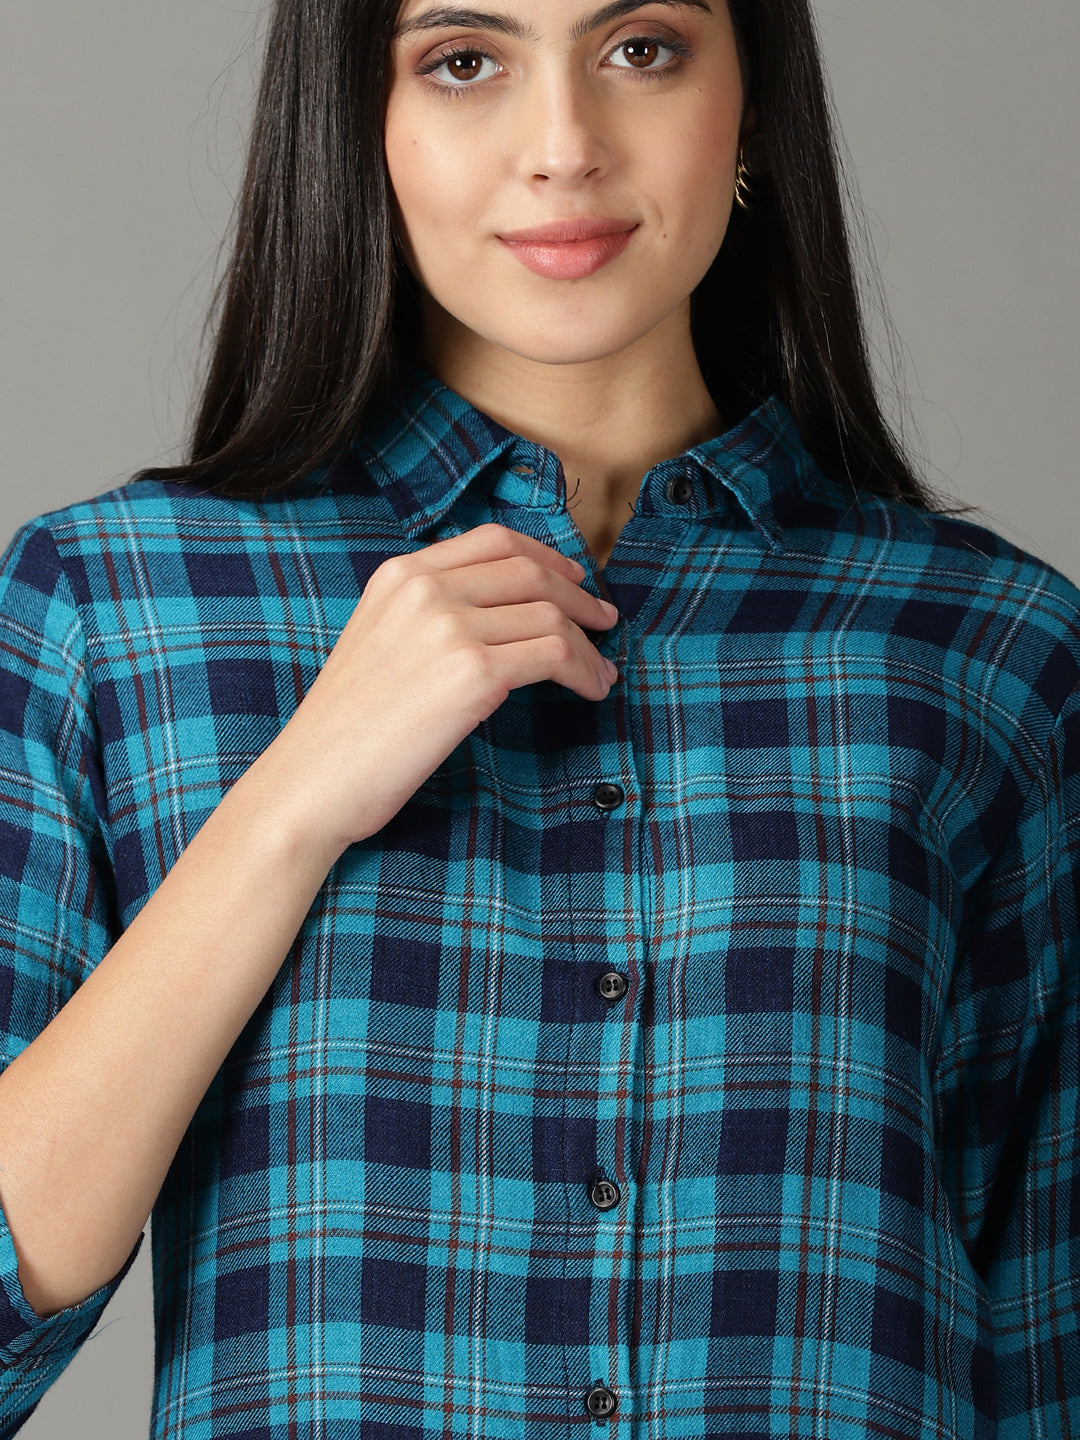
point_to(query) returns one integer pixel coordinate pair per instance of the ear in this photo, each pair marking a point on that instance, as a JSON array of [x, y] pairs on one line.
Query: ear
[[751, 124]]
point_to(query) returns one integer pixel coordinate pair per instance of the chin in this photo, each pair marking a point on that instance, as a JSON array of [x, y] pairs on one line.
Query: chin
[[576, 344]]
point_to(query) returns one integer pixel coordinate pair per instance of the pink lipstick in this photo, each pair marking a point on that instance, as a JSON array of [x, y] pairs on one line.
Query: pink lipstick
[[570, 249]]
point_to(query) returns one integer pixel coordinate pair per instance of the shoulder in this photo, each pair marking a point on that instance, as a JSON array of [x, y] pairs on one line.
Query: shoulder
[[155, 538], [901, 561], [58, 544], [65, 567], [950, 592], [967, 635]]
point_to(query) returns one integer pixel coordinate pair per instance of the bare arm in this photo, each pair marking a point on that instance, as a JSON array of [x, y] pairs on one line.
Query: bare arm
[[93, 1110]]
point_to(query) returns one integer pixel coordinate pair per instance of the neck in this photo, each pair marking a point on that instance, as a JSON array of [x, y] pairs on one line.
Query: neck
[[608, 420]]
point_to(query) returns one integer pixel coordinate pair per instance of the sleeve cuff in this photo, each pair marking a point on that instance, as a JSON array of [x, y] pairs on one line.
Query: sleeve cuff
[[26, 1338]]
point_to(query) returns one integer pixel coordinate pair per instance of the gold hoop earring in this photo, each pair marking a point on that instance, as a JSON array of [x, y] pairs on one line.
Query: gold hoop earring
[[754, 164]]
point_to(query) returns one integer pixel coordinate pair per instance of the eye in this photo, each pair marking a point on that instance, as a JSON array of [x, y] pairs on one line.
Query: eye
[[461, 68], [645, 52]]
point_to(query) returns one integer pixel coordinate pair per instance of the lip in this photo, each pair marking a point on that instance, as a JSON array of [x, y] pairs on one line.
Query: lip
[[570, 249], [567, 232]]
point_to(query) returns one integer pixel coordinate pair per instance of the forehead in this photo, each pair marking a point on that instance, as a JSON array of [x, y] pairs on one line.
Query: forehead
[[529, 19]]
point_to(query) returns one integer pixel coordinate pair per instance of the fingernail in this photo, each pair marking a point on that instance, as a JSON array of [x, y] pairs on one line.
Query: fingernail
[[578, 567], [609, 607], [613, 669]]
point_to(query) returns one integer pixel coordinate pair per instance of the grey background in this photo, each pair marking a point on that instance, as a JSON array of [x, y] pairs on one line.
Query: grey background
[[121, 134]]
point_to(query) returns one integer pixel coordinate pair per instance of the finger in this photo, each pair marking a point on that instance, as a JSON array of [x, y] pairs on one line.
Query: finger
[[507, 624], [550, 657], [570, 656], [492, 542], [519, 580]]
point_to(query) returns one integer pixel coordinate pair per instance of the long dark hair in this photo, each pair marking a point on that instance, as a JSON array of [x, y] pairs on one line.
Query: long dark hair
[[315, 315]]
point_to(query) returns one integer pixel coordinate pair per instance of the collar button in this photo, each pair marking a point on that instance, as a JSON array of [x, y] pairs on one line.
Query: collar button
[[679, 490]]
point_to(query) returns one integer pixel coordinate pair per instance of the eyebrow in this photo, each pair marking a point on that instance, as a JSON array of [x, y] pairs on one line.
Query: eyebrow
[[454, 17]]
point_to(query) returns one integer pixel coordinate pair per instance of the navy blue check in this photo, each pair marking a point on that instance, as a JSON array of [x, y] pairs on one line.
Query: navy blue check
[[825, 835]]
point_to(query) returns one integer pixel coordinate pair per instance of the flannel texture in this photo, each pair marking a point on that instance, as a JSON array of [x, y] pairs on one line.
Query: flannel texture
[[825, 834]]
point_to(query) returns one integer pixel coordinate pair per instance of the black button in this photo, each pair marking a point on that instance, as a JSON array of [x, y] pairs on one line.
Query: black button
[[604, 1194], [601, 1402], [606, 796], [679, 490], [612, 986]]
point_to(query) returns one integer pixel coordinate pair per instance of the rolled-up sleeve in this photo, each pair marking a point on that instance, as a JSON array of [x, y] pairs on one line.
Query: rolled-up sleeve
[[33, 1351], [57, 902]]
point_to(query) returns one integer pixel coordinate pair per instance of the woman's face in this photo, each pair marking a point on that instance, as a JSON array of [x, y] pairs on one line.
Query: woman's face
[[528, 115]]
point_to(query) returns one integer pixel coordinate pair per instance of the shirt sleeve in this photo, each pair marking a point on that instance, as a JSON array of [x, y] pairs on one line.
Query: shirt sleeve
[[1006, 1104], [57, 903]]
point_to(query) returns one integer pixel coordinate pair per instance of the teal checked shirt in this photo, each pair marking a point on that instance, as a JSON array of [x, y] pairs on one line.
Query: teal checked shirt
[[697, 1063]]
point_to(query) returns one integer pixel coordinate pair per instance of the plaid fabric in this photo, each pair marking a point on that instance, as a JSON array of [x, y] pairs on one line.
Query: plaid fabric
[[827, 829]]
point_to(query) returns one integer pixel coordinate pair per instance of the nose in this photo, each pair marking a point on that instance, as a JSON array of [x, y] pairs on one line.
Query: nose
[[560, 132]]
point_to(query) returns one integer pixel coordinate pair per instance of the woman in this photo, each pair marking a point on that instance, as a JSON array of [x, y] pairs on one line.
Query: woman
[[538, 855]]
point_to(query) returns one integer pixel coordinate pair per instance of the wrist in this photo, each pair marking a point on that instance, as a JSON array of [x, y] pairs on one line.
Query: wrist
[[292, 817]]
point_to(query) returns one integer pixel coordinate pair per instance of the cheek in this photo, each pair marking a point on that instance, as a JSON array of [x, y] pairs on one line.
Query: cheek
[[404, 164], [714, 141], [431, 181], [715, 156], [415, 173], [692, 142], [697, 176]]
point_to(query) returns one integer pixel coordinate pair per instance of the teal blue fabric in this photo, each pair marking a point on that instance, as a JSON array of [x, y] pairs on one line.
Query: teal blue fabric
[[826, 827]]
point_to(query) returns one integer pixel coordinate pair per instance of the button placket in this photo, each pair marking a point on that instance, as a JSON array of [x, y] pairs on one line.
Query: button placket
[[614, 800]]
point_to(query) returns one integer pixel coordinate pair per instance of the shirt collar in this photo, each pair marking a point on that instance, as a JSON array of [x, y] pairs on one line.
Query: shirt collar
[[432, 444]]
